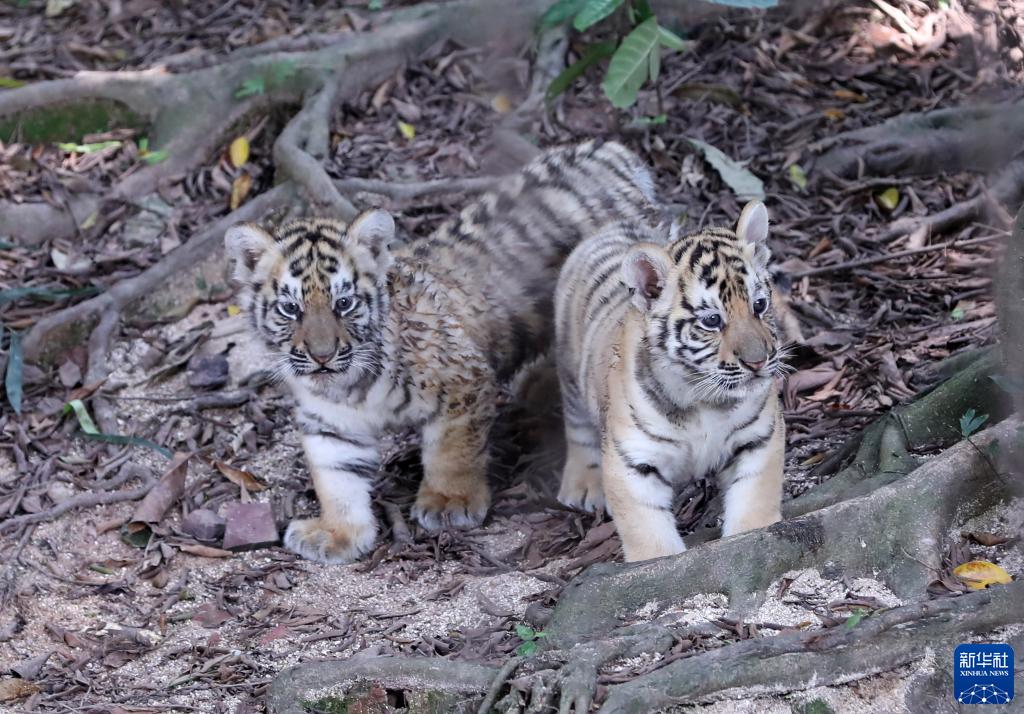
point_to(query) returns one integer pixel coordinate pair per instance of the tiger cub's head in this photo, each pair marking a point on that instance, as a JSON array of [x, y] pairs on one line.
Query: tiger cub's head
[[707, 303], [315, 292]]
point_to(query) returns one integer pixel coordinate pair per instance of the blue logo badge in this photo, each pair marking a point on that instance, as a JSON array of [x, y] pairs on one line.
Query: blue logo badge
[[983, 674]]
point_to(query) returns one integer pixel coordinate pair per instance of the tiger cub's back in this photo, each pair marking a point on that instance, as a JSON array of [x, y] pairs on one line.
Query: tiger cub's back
[[505, 249]]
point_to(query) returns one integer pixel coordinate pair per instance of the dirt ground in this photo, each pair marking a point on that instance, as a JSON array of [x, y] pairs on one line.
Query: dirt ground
[[105, 626]]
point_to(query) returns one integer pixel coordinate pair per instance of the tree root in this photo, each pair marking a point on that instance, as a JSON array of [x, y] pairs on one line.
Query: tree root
[[895, 533], [799, 660], [1007, 190], [943, 140]]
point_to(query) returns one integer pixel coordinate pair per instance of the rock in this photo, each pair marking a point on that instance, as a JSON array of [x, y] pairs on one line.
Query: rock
[[207, 371], [70, 374], [203, 524], [58, 491], [249, 526]]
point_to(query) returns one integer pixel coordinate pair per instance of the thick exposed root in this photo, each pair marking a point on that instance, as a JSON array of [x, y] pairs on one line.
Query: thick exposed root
[[895, 534], [943, 140]]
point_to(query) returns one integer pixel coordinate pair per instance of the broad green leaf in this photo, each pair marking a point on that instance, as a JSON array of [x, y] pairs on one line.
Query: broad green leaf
[[10, 83], [84, 419], [594, 53], [376, 5], [744, 184], [281, 72], [560, 12], [854, 619], [641, 10], [655, 63], [13, 379], [630, 64], [888, 199], [593, 12], [407, 130], [670, 39], [798, 176]]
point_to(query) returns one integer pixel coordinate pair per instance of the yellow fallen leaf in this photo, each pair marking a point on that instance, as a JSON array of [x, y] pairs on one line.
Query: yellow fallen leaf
[[240, 188], [798, 176], [239, 152], [834, 114], [234, 310], [11, 689], [848, 96], [407, 130], [501, 103], [979, 574], [888, 199]]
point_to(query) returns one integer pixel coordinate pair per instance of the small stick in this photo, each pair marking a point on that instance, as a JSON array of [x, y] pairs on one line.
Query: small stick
[[399, 528], [851, 264], [497, 683]]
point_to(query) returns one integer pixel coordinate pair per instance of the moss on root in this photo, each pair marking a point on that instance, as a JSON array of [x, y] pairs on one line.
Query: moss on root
[[68, 122]]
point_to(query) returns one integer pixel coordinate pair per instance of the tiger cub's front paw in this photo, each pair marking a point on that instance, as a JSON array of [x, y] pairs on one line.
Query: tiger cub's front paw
[[581, 485], [462, 507], [333, 543]]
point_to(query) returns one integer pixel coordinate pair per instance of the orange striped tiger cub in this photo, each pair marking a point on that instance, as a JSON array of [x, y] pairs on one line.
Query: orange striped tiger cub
[[371, 338], [667, 350]]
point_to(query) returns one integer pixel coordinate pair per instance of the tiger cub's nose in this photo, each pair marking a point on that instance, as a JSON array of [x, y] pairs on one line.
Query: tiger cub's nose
[[324, 353]]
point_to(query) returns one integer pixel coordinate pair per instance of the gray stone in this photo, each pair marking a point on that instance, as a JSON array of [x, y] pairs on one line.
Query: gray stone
[[203, 524]]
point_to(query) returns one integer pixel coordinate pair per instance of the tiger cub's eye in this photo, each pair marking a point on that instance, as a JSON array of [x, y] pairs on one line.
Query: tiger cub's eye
[[344, 304], [760, 305], [712, 321], [290, 310]]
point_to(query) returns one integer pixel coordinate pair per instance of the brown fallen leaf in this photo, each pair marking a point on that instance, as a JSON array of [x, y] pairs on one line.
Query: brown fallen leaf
[[239, 477], [210, 616], [984, 538], [275, 633], [206, 551], [162, 496]]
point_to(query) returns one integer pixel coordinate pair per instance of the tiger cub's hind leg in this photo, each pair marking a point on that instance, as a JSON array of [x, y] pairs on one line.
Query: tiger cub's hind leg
[[581, 476]]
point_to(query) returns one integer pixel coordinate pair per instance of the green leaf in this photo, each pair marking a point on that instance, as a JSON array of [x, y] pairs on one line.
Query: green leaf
[[88, 148], [10, 83], [971, 421], [594, 53], [525, 632], [376, 5], [889, 198], [281, 72], [798, 176], [957, 313], [137, 538], [654, 62], [670, 39], [641, 11], [854, 619], [143, 144], [526, 649], [650, 121], [13, 294], [630, 64], [84, 419], [154, 157], [250, 87], [593, 12], [560, 12], [744, 184], [13, 379], [126, 441]]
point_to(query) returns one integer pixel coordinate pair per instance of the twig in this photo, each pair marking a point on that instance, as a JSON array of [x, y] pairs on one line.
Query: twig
[[417, 189], [497, 684], [82, 500], [399, 528], [851, 264]]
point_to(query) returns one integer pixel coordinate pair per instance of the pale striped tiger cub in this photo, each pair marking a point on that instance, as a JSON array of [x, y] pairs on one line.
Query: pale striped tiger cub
[[371, 338], [667, 351]]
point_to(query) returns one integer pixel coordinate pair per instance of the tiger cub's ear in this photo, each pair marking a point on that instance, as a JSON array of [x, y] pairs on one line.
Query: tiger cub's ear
[[752, 228], [374, 229], [245, 244], [644, 271]]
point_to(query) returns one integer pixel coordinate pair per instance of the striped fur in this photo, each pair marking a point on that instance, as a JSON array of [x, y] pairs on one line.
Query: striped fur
[[667, 349], [370, 338]]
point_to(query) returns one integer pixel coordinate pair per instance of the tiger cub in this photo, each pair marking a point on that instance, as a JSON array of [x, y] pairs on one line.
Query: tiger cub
[[372, 338], [667, 351]]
